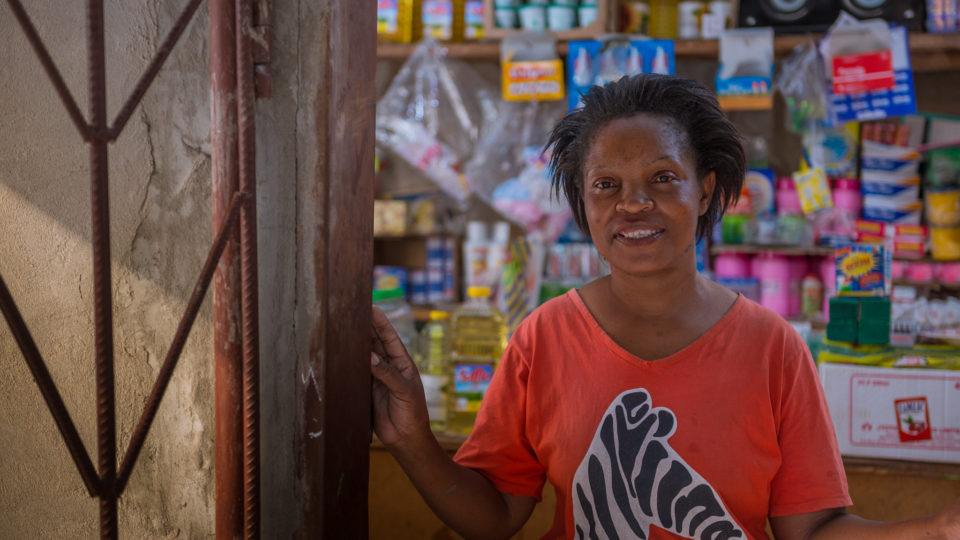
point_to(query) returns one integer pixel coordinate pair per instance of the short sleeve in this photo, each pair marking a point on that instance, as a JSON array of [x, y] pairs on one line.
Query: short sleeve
[[498, 446], [811, 476]]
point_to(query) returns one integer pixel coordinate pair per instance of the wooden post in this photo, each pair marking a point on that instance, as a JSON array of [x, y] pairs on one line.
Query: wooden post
[[335, 236]]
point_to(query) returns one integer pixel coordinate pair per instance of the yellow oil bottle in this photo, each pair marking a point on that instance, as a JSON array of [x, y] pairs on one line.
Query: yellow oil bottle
[[479, 336], [433, 359]]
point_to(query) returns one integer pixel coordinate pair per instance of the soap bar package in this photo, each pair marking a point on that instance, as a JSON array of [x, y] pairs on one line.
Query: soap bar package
[[863, 270]]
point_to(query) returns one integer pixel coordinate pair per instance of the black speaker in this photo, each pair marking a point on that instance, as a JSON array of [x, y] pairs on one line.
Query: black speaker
[[799, 16]]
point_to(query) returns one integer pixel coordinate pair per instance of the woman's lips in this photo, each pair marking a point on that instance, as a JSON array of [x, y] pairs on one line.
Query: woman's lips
[[638, 235]]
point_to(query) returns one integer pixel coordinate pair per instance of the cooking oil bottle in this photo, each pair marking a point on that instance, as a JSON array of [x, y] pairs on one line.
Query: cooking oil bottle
[[479, 336], [433, 358]]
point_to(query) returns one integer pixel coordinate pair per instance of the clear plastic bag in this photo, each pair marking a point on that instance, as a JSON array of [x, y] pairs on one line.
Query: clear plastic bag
[[801, 81], [434, 114]]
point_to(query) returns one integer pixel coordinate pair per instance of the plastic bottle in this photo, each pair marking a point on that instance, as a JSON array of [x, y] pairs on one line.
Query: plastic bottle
[[774, 275], [663, 19], [812, 296], [433, 355], [398, 312], [497, 251], [479, 336], [846, 197], [475, 250]]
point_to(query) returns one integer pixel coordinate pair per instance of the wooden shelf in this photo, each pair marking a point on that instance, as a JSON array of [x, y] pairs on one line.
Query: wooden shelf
[[779, 250], [930, 52]]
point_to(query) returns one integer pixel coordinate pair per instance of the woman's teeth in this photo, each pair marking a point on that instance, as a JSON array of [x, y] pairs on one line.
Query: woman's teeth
[[638, 234]]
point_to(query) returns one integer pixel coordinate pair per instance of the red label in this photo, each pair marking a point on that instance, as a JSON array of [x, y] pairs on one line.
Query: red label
[[913, 419], [859, 73]]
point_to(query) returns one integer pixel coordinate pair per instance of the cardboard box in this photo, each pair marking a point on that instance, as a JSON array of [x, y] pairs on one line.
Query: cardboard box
[[894, 413]]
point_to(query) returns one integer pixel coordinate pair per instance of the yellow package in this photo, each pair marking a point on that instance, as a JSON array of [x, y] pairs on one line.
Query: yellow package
[[399, 21], [813, 189]]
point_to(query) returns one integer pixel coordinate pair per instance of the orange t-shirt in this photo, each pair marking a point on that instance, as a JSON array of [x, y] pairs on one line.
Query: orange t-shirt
[[705, 443]]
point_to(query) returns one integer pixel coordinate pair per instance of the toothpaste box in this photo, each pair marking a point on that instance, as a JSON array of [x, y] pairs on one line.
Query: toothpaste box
[[894, 413]]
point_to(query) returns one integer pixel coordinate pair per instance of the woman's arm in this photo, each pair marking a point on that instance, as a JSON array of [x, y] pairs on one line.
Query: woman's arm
[[464, 499], [836, 524]]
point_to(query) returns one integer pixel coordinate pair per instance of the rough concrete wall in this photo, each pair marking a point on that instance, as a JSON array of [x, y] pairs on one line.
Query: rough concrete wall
[[160, 198]]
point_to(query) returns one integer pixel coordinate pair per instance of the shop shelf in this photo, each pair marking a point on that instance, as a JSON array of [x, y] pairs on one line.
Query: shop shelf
[[930, 52]]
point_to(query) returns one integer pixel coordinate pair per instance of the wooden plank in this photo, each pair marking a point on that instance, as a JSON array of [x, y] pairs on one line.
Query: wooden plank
[[335, 231]]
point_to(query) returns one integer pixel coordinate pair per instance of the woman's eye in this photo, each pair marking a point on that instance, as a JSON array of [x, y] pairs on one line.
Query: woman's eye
[[603, 184], [663, 179]]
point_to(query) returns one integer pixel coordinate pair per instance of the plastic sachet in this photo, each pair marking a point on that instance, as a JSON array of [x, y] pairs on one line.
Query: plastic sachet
[[434, 114], [801, 82], [509, 169]]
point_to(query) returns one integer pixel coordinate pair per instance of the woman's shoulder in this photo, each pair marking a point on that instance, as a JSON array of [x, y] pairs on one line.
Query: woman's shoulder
[[763, 326], [555, 316]]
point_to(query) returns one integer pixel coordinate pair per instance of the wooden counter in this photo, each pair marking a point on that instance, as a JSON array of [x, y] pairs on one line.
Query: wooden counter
[[881, 489]]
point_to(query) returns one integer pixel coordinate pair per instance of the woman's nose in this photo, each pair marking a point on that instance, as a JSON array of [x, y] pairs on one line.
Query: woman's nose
[[635, 201]]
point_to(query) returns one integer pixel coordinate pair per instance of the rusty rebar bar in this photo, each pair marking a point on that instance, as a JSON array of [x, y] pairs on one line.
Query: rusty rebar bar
[[228, 372], [248, 273], [48, 389], [102, 280], [154, 68], [152, 404], [47, 62]]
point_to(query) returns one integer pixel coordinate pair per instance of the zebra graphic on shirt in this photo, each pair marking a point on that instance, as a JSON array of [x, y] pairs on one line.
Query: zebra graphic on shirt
[[631, 479]]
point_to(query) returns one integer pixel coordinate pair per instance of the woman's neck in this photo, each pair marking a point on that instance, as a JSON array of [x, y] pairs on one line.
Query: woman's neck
[[662, 297]]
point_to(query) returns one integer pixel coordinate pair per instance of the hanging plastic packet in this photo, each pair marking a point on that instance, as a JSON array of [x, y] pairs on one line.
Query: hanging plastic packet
[[801, 83], [433, 115]]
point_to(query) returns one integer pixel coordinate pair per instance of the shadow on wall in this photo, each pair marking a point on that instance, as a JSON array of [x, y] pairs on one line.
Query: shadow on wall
[[159, 166]]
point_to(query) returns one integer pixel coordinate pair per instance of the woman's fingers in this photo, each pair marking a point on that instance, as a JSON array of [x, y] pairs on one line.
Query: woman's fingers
[[392, 348], [390, 376]]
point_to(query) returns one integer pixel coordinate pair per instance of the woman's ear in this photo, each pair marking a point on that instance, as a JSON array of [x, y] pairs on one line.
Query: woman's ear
[[707, 186]]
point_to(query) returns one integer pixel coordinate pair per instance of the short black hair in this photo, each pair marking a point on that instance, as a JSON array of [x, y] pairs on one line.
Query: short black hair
[[713, 139]]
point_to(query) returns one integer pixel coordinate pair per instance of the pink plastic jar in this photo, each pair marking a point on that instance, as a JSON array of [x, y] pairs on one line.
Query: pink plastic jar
[[949, 273], [788, 201], [846, 196], [898, 270], [731, 266], [774, 276], [919, 272]]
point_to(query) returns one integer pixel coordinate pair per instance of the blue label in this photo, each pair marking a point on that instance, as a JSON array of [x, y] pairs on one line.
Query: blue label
[[900, 101], [641, 56], [472, 378]]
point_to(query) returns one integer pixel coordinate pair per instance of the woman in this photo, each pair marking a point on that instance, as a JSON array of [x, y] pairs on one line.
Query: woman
[[658, 403]]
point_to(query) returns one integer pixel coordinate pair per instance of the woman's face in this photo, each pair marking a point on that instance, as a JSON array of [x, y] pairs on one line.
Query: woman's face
[[642, 196]]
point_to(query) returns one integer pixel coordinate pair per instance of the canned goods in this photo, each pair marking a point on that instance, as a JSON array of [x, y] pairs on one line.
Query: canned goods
[[533, 18], [943, 207], [561, 18], [689, 19], [945, 243]]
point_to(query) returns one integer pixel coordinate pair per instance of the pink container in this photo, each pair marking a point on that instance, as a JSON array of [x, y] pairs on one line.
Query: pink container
[[919, 272], [732, 265], [846, 196], [774, 276], [788, 202], [949, 273], [828, 275], [898, 270], [798, 270]]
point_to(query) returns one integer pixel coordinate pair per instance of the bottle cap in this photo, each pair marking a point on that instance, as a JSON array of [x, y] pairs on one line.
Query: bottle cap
[[478, 292]]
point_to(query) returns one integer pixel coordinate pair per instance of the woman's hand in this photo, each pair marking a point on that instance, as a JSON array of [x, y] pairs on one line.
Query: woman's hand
[[400, 416]]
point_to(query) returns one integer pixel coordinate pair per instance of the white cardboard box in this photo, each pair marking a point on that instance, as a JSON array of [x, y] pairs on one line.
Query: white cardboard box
[[894, 413]]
